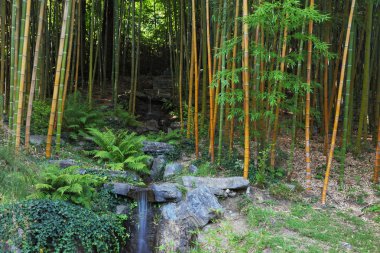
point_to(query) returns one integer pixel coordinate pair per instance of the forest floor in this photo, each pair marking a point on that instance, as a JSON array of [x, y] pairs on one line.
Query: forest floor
[[282, 219]]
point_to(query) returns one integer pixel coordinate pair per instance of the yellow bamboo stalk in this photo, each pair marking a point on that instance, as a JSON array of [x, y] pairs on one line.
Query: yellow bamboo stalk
[[337, 111], [34, 73], [196, 81], [22, 75], [307, 109], [56, 83], [246, 89]]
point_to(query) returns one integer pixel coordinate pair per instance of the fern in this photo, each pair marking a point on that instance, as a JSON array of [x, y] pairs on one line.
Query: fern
[[119, 151], [68, 185]]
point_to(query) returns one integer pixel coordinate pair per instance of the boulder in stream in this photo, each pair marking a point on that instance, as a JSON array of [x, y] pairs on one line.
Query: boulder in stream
[[166, 192], [179, 220]]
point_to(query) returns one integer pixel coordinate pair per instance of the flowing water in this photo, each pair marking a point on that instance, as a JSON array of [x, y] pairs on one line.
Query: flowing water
[[142, 242]]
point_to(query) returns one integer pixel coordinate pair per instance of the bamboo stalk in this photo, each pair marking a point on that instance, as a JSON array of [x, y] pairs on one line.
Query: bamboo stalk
[[27, 4], [307, 109], [34, 74], [246, 89], [53, 110], [337, 112]]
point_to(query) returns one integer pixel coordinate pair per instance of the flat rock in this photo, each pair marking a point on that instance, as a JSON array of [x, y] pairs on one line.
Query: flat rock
[[172, 169], [216, 184], [166, 192], [155, 148]]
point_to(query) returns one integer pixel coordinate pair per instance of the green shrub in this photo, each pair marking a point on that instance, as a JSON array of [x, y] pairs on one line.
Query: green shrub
[[68, 185], [57, 226], [40, 117], [120, 151]]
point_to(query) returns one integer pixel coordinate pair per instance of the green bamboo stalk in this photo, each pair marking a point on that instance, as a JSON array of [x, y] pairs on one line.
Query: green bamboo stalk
[[2, 59], [90, 67], [34, 74], [366, 76], [19, 63], [137, 66], [62, 79], [132, 56], [346, 106], [116, 66], [25, 33], [57, 78], [12, 64], [222, 84]]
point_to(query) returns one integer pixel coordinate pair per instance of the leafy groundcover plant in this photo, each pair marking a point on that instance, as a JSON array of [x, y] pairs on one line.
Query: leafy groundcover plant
[[57, 226]]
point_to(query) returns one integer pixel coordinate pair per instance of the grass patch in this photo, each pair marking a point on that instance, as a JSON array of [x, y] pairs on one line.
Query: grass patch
[[17, 175], [302, 229]]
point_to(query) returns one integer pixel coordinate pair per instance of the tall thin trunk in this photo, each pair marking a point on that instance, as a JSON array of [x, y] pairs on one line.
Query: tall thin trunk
[[63, 41], [137, 66], [211, 89], [78, 47], [196, 81], [23, 70], [246, 89], [337, 112], [346, 106], [377, 161], [234, 53], [307, 111], [367, 77], [275, 128], [2, 59], [62, 80], [222, 82], [91, 60], [181, 53], [34, 74], [133, 51]]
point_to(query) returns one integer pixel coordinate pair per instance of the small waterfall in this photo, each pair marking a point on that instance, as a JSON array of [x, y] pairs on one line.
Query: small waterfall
[[142, 242]]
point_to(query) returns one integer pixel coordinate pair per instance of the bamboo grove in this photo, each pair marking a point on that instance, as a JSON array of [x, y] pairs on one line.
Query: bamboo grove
[[244, 72]]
